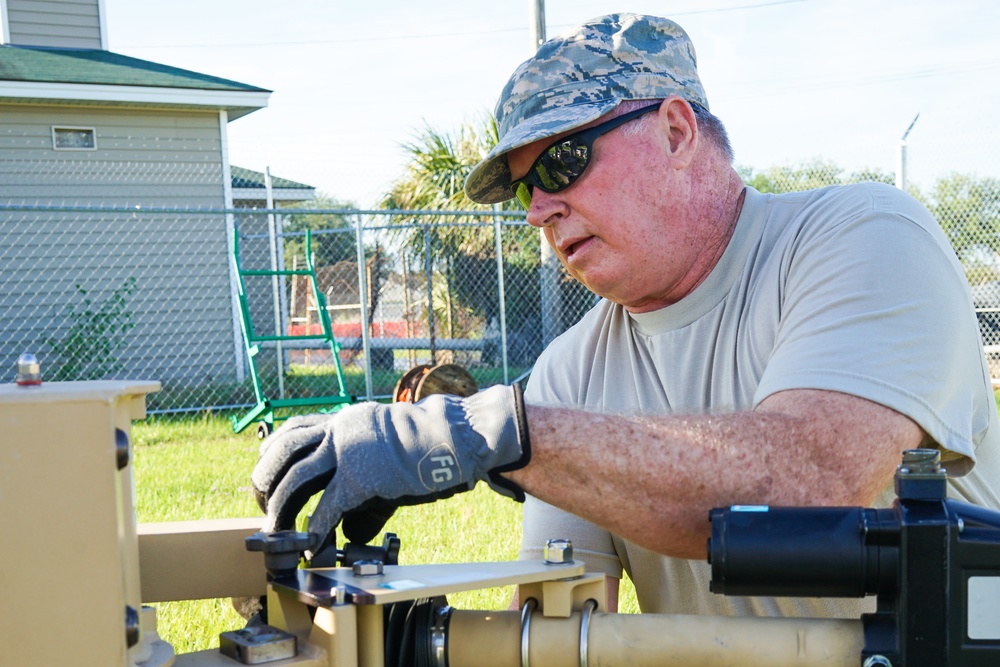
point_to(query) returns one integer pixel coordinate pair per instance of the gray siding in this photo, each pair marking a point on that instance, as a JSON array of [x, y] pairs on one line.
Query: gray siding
[[61, 23], [158, 158], [181, 306]]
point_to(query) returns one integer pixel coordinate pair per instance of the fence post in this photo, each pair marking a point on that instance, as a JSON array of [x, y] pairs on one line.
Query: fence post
[[430, 294], [551, 297], [497, 229], [230, 225], [901, 157], [272, 233], [366, 343]]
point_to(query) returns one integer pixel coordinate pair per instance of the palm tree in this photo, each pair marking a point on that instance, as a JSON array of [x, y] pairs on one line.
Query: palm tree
[[462, 243]]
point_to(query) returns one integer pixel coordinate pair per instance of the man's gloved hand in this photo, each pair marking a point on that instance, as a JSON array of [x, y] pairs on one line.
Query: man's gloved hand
[[372, 458]]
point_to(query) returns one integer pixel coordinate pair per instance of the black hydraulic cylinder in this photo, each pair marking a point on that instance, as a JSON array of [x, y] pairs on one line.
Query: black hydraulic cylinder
[[933, 562], [793, 551]]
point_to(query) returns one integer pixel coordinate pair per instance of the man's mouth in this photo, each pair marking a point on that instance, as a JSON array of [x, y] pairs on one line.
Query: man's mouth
[[574, 246]]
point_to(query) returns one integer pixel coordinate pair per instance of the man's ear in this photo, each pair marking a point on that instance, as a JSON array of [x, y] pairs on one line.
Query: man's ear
[[678, 129]]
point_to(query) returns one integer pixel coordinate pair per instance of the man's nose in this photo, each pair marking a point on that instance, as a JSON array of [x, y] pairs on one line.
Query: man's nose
[[546, 208]]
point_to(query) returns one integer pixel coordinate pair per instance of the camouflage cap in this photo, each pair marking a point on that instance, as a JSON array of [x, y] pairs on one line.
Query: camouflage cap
[[580, 76]]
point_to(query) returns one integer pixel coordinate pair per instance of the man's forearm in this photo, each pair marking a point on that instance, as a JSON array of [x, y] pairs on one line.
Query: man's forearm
[[652, 480]]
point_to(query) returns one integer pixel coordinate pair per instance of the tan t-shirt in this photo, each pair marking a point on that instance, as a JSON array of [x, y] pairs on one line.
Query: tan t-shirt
[[852, 289]]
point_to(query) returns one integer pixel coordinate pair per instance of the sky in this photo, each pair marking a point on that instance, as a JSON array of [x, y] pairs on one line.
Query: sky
[[793, 80]]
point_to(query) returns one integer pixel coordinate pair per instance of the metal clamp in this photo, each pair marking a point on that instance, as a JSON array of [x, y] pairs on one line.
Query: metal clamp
[[529, 606], [877, 661], [439, 635], [588, 608]]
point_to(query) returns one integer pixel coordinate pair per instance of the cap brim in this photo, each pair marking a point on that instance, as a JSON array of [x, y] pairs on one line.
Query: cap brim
[[489, 181]]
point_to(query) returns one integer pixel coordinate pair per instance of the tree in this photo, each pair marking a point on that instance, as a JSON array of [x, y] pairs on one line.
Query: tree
[[966, 206], [433, 181], [806, 176], [968, 209], [335, 241], [460, 245], [465, 247], [438, 165]]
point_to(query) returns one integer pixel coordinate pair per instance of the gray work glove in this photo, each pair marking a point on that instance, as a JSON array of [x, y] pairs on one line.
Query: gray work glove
[[372, 458]]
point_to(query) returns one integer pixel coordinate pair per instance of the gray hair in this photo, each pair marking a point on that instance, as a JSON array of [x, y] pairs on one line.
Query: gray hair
[[710, 125]]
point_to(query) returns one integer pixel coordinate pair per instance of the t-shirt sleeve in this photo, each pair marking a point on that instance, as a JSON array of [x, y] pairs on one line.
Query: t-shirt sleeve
[[591, 544], [876, 305]]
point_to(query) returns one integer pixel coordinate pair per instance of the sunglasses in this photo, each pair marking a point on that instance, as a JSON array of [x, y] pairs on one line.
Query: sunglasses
[[564, 161]]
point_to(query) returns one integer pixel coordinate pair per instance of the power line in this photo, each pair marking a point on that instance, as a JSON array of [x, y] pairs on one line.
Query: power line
[[304, 42], [814, 85], [737, 8], [469, 33]]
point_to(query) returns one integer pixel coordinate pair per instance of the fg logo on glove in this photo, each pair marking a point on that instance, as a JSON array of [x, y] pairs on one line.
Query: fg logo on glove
[[438, 468]]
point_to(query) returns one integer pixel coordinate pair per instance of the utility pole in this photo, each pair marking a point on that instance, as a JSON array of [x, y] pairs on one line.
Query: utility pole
[[551, 299], [536, 9]]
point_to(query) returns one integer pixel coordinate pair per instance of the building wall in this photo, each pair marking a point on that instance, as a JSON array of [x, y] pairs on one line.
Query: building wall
[[161, 158], [56, 262], [72, 24]]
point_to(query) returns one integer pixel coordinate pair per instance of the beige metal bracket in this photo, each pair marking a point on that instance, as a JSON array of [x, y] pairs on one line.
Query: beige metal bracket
[[560, 597]]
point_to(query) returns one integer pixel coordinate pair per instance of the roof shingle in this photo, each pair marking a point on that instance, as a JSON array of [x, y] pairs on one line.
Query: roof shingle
[[93, 66]]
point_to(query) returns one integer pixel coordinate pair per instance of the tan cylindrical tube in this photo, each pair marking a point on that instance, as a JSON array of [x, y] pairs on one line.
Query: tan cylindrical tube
[[493, 639], [484, 638], [371, 650]]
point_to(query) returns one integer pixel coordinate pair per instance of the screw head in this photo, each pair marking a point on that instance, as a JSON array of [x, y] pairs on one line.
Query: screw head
[[558, 551]]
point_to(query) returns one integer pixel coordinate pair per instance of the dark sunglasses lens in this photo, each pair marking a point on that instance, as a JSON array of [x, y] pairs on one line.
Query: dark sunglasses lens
[[556, 169], [561, 164], [523, 193]]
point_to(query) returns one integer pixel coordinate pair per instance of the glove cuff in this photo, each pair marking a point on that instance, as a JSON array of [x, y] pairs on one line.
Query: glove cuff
[[502, 484]]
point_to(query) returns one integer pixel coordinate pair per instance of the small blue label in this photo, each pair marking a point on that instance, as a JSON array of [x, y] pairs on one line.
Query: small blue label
[[749, 508], [402, 585]]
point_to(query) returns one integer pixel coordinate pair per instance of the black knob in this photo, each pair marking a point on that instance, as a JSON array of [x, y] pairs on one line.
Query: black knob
[[282, 549]]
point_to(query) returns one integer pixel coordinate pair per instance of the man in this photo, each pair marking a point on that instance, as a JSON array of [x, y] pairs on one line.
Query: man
[[758, 349]]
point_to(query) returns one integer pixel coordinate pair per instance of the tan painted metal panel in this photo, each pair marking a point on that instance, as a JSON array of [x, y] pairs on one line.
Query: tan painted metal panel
[[193, 560], [69, 557]]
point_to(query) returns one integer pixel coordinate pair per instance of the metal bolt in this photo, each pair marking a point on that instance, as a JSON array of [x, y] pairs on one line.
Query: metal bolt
[[558, 551], [367, 568], [917, 461], [339, 594], [29, 372], [877, 661]]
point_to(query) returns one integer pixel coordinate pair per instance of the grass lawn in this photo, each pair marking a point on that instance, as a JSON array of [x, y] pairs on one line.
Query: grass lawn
[[188, 469]]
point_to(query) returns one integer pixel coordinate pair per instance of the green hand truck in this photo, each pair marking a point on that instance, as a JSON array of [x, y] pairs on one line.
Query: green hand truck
[[264, 411]]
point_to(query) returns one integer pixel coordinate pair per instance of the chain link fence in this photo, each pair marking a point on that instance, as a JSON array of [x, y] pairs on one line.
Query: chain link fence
[[103, 292], [402, 289], [154, 293], [965, 204]]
